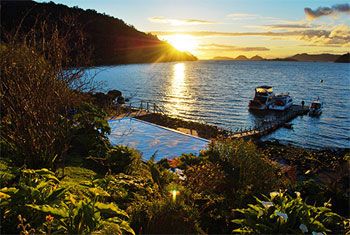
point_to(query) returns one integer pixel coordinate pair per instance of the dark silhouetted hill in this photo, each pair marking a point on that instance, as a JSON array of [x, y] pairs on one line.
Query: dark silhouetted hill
[[256, 58], [111, 39], [314, 58], [222, 58], [241, 57], [343, 59]]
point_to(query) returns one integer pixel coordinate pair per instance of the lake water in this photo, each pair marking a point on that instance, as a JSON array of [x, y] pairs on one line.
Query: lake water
[[218, 92]]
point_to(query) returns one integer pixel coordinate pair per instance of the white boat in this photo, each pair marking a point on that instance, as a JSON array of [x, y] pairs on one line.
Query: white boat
[[262, 98], [281, 102], [315, 108]]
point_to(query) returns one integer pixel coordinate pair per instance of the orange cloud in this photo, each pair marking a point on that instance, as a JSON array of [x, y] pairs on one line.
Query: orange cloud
[[337, 36], [229, 34], [164, 20], [220, 47]]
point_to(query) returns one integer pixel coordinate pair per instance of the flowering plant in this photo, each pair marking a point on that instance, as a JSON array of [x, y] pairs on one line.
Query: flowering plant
[[282, 213]]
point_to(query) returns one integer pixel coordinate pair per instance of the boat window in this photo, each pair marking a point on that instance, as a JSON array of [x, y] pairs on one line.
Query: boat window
[[260, 90]]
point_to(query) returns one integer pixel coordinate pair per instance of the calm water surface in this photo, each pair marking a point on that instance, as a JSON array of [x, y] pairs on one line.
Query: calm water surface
[[217, 92]]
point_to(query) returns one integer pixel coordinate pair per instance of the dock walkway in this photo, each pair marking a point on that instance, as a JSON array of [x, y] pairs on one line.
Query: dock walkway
[[271, 125]]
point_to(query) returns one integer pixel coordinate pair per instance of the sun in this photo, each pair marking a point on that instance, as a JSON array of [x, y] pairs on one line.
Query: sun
[[182, 42]]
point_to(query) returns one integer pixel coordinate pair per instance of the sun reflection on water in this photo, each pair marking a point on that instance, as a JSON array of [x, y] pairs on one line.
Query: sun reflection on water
[[178, 90]]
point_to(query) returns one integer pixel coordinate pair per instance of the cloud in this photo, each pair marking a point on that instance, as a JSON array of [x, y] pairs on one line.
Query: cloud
[[241, 15], [245, 16], [220, 47], [324, 11], [228, 34], [344, 8], [280, 26], [337, 36], [164, 20]]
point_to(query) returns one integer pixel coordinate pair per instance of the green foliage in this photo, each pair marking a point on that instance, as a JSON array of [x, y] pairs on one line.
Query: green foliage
[[39, 196], [167, 217], [37, 187], [282, 214], [88, 134], [205, 178], [122, 159], [245, 170], [332, 193], [225, 177], [158, 174], [87, 215], [7, 172]]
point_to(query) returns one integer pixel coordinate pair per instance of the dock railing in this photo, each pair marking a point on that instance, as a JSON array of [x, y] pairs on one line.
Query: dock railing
[[138, 108], [270, 124]]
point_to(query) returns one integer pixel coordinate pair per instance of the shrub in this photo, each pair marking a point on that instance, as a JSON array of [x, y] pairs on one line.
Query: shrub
[[88, 133], [282, 214], [37, 187], [164, 216], [247, 171], [37, 88], [39, 198]]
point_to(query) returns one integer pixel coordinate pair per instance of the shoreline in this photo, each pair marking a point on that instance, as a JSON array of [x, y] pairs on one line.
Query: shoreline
[[321, 165], [212, 132]]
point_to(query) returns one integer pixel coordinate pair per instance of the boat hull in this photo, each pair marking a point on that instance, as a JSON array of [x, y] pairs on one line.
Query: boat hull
[[280, 107]]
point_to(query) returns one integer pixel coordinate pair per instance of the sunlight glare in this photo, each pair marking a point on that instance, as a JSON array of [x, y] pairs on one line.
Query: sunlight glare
[[182, 42], [177, 90], [179, 73]]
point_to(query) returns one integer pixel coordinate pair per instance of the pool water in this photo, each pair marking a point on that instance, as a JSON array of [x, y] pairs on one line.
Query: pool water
[[153, 139]]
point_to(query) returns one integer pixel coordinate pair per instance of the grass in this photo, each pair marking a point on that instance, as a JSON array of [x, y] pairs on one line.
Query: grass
[[76, 174]]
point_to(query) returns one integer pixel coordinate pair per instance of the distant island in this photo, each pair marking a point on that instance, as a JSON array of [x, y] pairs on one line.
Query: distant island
[[344, 58], [298, 57], [111, 40]]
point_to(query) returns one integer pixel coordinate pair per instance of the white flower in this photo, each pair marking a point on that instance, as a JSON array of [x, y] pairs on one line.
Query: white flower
[[274, 194], [316, 233], [303, 228], [267, 204], [298, 194], [282, 215]]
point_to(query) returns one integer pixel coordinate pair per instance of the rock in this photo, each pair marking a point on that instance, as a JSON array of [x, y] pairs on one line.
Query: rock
[[113, 94], [121, 100], [101, 98]]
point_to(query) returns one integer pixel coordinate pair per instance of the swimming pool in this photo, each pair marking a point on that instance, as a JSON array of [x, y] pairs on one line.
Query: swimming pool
[[154, 139]]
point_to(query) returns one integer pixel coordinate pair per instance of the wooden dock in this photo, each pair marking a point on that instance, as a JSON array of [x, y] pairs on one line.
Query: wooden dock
[[266, 127]]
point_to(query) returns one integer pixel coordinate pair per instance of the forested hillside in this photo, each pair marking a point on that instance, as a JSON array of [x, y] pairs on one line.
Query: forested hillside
[[111, 40]]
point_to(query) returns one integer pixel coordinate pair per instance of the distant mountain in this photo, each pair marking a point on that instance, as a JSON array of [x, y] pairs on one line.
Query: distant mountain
[[343, 59], [281, 59], [314, 58], [241, 57], [222, 58], [256, 58], [113, 41]]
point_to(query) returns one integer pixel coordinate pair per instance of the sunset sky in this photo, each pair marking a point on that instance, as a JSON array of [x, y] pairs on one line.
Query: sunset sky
[[269, 28]]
